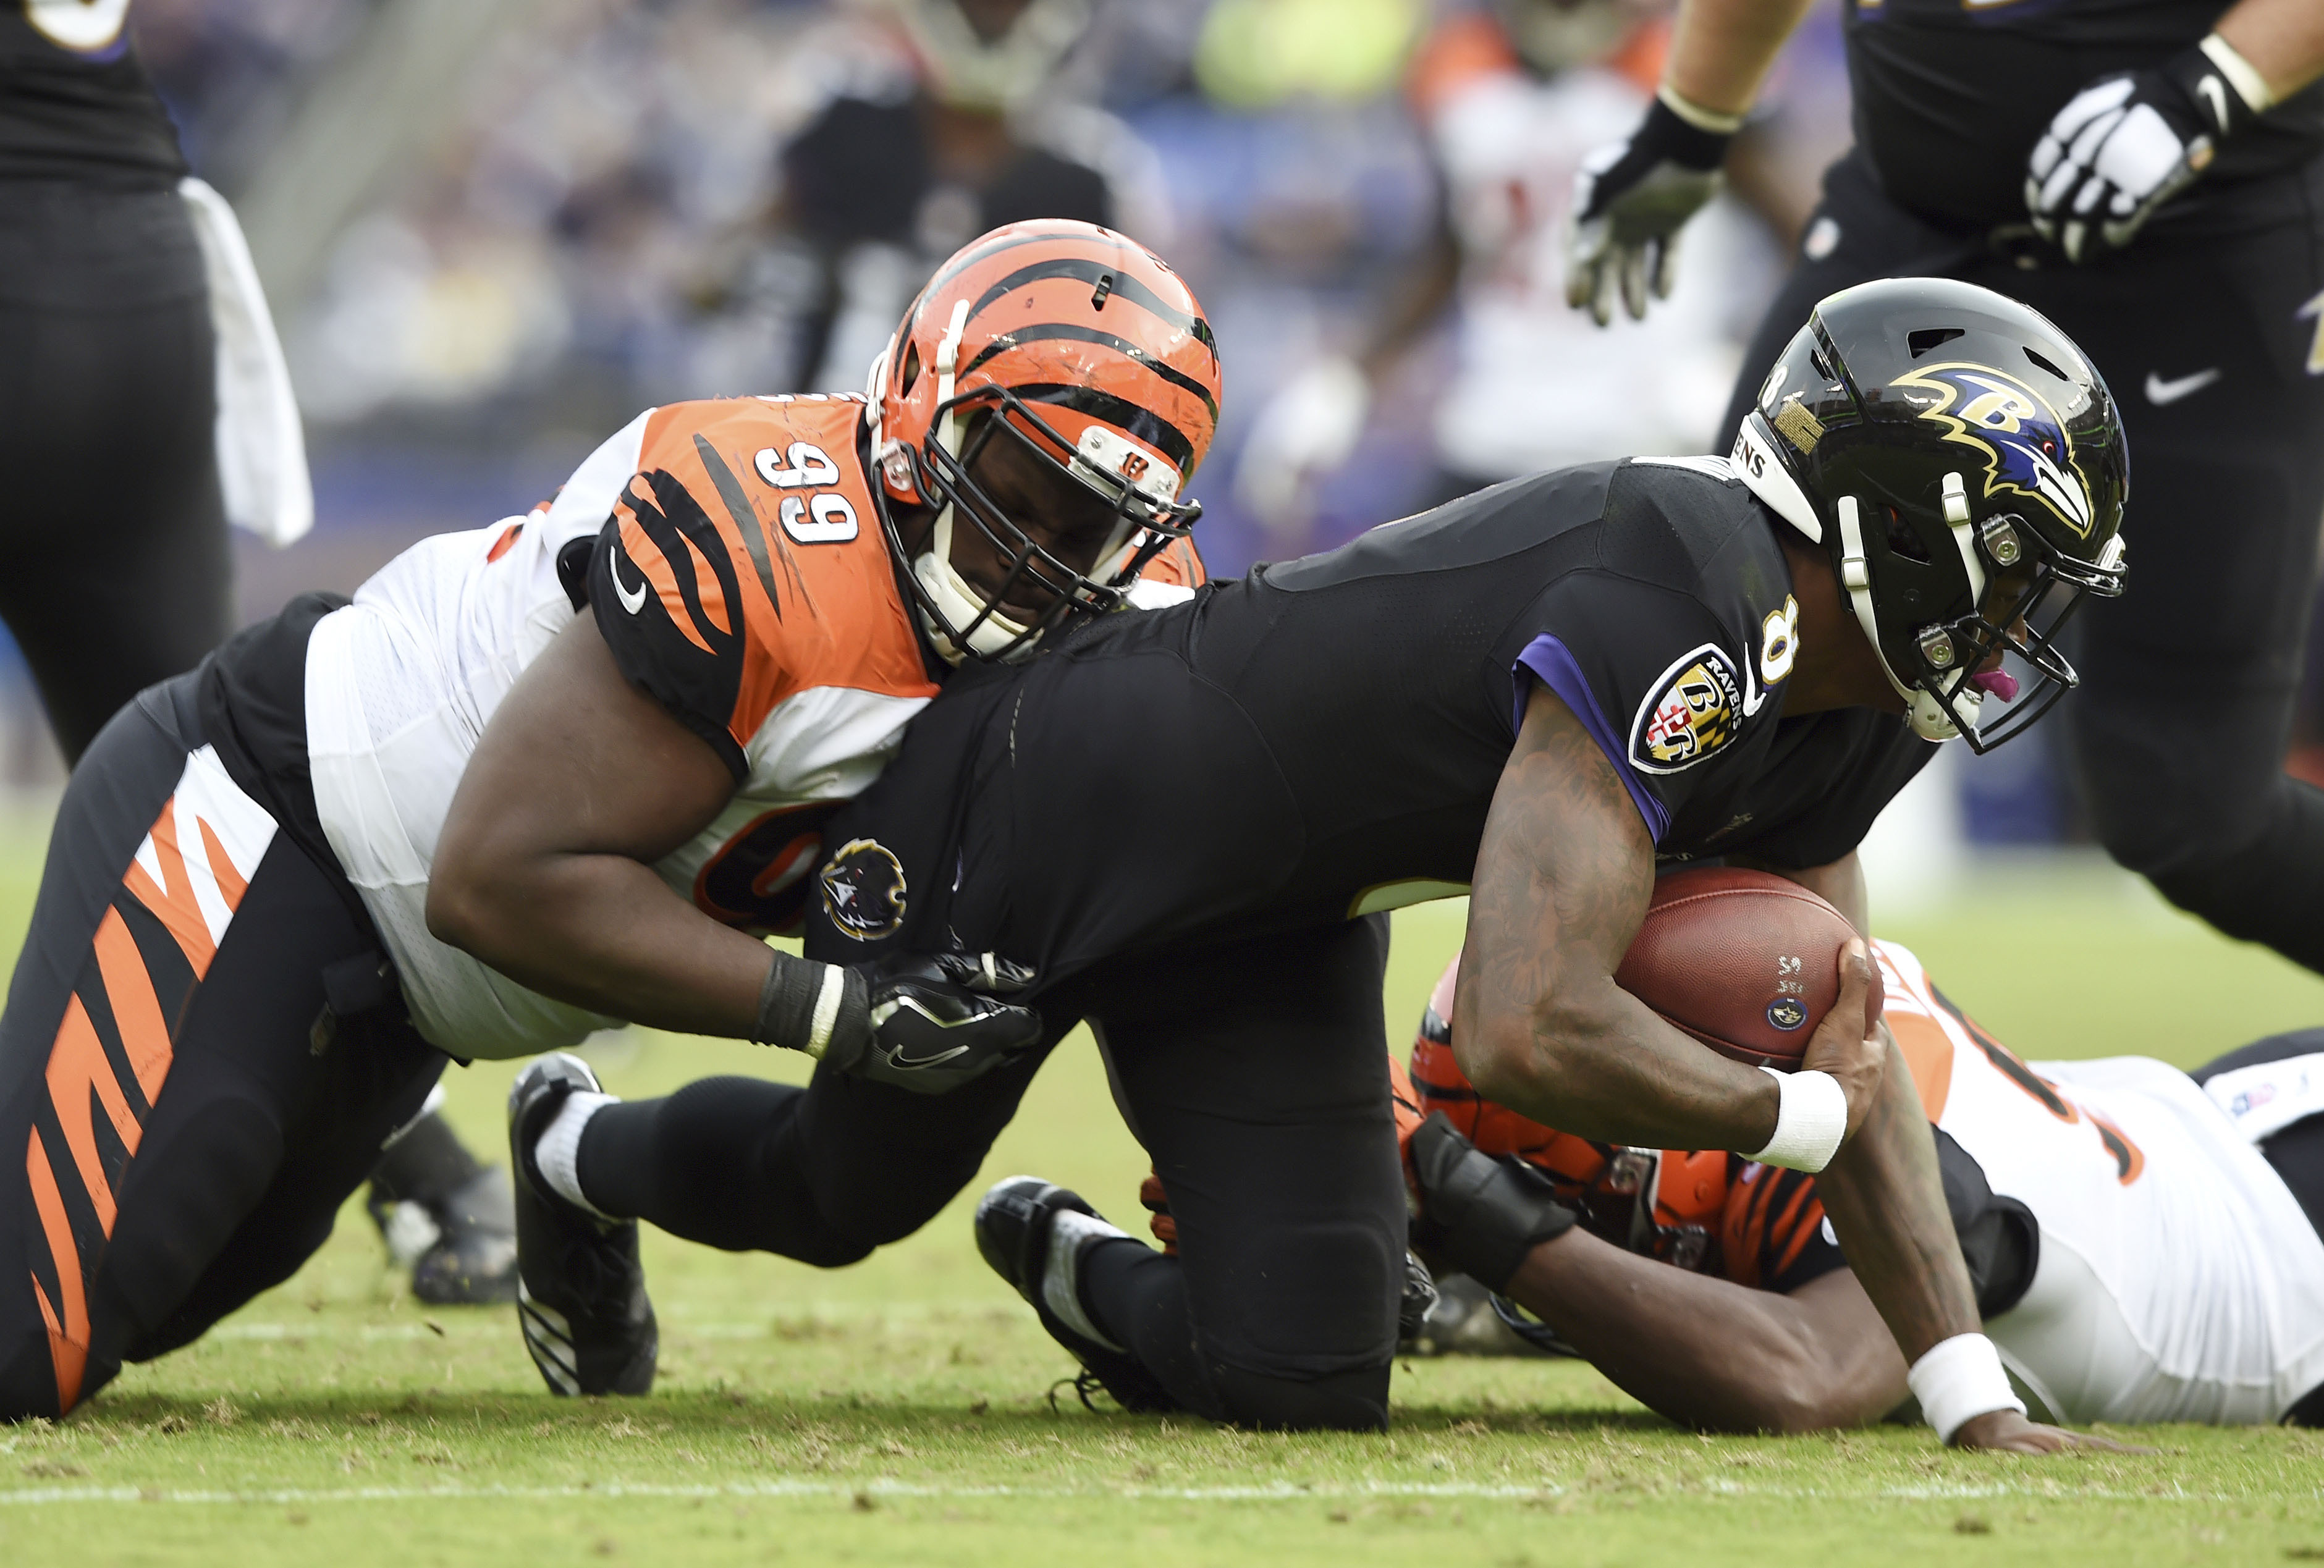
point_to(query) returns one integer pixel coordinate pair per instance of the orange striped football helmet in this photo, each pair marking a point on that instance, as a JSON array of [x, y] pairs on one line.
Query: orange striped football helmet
[[1664, 1202], [1085, 347]]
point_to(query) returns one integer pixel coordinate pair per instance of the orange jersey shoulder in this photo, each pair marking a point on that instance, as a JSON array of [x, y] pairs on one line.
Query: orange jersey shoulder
[[748, 564], [1179, 562]]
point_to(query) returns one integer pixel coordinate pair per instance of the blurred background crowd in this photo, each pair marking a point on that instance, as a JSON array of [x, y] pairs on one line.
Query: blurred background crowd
[[491, 230]]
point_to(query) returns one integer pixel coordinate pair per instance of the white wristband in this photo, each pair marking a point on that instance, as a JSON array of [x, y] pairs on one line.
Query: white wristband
[[1811, 1120], [1718, 122], [1958, 1379], [826, 1009], [2241, 74]]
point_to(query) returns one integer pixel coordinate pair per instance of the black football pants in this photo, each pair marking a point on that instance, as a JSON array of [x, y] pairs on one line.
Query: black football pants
[[172, 1141], [2214, 350], [1256, 1075], [114, 531]]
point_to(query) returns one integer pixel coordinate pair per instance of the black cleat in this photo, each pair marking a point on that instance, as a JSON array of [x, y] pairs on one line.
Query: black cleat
[[1013, 1224], [473, 1259], [581, 1292]]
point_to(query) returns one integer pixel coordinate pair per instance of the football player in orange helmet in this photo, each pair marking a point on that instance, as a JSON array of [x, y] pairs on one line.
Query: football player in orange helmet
[[2103, 1209], [556, 772], [1053, 348]]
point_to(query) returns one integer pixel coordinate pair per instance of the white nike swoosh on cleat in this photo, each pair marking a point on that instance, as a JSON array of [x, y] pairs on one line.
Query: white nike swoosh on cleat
[[2160, 392]]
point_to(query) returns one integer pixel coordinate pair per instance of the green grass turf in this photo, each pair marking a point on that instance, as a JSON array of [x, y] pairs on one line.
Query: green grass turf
[[899, 1411]]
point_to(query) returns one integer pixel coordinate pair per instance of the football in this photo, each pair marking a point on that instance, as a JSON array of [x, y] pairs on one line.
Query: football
[[1745, 962]]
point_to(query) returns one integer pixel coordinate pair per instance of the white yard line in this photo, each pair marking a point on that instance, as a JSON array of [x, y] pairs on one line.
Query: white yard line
[[1280, 1492]]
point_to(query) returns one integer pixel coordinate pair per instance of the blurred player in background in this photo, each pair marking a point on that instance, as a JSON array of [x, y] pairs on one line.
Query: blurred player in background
[[146, 405], [2142, 1248], [2147, 174], [116, 523], [942, 121], [1509, 98]]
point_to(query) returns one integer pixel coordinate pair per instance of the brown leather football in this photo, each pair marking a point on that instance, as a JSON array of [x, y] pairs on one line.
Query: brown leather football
[[1745, 962]]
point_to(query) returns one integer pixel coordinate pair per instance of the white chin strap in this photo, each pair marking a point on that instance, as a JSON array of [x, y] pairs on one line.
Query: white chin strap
[[953, 598], [958, 602], [1927, 716]]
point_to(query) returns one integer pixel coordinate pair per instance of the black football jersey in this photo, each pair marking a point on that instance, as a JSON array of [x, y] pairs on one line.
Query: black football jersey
[[1324, 738], [1950, 96], [74, 102]]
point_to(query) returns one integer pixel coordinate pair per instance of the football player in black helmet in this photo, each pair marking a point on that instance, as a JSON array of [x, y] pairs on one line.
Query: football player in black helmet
[[1536, 693], [1964, 465], [2149, 174]]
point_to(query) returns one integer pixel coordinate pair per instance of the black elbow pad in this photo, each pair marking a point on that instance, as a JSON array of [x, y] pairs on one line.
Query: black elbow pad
[[1484, 1214]]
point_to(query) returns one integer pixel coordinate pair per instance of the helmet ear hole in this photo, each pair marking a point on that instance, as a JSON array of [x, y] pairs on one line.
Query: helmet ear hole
[[1902, 540]]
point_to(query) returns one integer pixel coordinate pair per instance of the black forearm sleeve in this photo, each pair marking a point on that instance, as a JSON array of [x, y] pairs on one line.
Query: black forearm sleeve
[[822, 1009], [1484, 1214]]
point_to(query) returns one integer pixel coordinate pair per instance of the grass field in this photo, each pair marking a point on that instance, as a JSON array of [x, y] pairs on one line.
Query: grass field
[[898, 1412]]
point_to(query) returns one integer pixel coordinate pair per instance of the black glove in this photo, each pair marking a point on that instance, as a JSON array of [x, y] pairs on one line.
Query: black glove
[[923, 1021], [2126, 145], [1630, 199], [1484, 1214]]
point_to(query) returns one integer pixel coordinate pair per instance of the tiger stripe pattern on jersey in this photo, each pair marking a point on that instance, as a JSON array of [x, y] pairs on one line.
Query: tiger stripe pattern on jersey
[[114, 1049], [747, 566]]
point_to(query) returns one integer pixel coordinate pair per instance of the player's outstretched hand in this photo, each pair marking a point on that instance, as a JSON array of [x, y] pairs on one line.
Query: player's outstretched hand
[[1848, 1044], [1630, 199], [2008, 1431], [936, 1021]]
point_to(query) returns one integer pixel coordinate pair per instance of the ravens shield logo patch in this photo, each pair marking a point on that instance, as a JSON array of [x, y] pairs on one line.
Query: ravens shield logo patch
[[863, 891], [1692, 711]]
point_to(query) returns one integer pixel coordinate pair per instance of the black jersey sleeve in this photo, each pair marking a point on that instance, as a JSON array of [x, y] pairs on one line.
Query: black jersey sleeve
[[1659, 684], [660, 587]]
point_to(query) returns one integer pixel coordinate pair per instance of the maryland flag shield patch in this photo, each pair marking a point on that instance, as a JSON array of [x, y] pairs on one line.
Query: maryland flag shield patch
[[1691, 713]]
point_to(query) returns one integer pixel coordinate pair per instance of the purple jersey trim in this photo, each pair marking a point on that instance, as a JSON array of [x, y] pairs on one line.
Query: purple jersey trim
[[1548, 660]]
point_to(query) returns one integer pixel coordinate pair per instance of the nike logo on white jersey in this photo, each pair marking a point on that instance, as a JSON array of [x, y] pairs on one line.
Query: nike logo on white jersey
[[633, 603], [2160, 392]]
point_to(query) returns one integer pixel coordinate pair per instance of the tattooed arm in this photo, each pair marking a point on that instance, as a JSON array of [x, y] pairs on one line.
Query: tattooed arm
[[1563, 877]]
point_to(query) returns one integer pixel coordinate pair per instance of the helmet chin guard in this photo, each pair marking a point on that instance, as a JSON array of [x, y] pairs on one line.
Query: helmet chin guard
[[1965, 468]]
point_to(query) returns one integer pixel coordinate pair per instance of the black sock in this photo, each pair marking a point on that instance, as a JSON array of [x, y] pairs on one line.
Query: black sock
[[425, 1164], [1136, 1297], [717, 1162]]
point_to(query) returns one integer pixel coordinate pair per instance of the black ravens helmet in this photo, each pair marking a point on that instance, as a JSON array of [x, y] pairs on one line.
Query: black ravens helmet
[[1967, 468]]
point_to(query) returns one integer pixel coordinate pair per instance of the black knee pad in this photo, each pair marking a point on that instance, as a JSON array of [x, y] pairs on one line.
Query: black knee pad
[[1352, 1401]]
